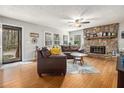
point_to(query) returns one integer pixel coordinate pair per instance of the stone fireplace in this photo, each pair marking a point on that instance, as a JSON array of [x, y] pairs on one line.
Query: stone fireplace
[[101, 39]]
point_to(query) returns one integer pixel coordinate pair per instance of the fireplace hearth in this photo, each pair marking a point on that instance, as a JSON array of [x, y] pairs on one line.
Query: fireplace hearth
[[97, 49]]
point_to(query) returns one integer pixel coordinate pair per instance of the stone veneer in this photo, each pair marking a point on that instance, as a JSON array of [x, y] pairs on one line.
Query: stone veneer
[[110, 43]]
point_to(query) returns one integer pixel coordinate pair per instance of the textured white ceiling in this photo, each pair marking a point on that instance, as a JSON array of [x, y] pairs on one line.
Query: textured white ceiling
[[58, 16]]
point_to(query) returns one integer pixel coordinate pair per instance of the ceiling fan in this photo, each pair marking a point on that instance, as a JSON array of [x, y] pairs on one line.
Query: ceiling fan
[[78, 22]]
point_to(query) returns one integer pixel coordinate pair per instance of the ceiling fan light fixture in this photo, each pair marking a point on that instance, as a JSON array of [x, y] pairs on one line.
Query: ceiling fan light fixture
[[77, 25]]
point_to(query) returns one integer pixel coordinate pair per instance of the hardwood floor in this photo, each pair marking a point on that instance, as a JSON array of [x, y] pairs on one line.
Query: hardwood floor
[[25, 75]]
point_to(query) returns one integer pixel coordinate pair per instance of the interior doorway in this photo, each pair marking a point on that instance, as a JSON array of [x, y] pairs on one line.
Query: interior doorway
[[11, 43]]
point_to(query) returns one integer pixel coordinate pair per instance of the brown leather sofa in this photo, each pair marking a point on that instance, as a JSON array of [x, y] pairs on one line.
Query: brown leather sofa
[[67, 50], [51, 64]]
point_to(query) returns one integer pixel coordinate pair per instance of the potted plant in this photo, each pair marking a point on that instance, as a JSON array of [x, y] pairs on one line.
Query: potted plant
[[77, 43]]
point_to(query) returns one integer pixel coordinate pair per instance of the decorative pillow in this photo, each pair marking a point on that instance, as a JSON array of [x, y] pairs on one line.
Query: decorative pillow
[[55, 51], [45, 52]]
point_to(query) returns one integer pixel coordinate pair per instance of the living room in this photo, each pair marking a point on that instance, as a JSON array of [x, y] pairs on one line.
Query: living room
[[61, 46]]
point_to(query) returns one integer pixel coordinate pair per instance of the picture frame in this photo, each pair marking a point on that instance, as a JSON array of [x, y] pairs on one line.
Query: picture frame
[[34, 35]]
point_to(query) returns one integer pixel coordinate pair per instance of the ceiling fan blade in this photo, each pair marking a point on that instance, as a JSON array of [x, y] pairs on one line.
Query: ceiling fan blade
[[66, 17], [93, 18], [85, 22], [70, 22]]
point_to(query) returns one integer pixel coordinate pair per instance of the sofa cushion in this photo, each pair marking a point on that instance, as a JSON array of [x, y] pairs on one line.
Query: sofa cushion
[[45, 52]]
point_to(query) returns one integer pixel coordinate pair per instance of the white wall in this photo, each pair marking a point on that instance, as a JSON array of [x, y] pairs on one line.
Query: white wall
[[27, 47], [78, 32]]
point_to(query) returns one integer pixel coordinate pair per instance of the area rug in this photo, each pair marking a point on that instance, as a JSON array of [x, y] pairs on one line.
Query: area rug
[[78, 69]]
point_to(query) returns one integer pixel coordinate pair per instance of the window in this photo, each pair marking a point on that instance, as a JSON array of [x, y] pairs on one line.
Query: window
[[65, 39], [48, 39], [77, 40], [56, 39]]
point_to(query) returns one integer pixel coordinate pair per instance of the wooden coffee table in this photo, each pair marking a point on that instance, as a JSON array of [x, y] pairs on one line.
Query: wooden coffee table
[[78, 57]]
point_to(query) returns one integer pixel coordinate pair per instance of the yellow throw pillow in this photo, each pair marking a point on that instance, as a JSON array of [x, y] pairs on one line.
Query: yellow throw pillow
[[55, 51]]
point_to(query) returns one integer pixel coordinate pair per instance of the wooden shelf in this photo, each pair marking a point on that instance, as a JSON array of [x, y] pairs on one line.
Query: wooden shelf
[[103, 37]]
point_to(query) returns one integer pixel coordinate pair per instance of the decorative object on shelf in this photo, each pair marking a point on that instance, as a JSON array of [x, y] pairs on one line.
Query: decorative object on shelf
[[104, 33], [95, 35], [109, 33], [100, 34], [113, 34], [34, 35], [122, 34]]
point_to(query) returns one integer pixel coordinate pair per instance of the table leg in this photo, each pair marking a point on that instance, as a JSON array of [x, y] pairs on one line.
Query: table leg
[[82, 61], [74, 60]]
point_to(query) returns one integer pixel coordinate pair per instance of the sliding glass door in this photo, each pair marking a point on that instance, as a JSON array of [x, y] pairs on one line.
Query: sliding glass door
[[11, 43]]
